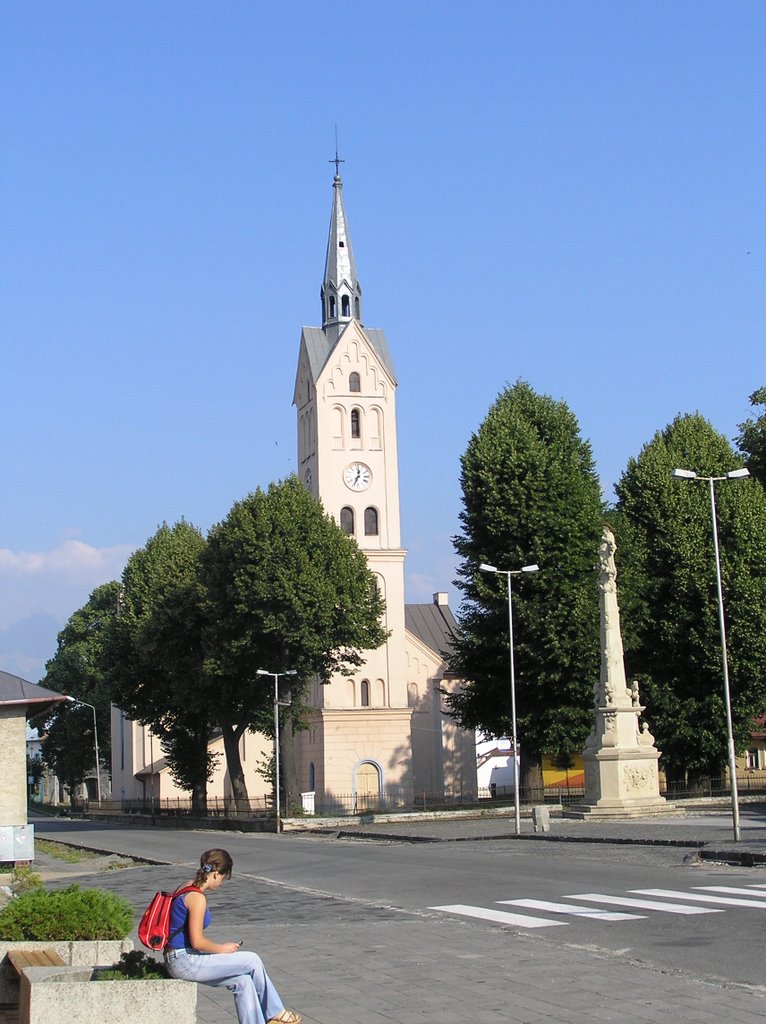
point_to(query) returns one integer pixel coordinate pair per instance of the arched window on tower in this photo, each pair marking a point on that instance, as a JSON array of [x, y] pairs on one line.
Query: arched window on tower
[[356, 308], [354, 382], [345, 306], [365, 693], [356, 423], [371, 522], [347, 520], [332, 307]]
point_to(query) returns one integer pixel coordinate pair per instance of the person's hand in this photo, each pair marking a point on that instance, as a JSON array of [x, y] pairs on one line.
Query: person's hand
[[230, 947]]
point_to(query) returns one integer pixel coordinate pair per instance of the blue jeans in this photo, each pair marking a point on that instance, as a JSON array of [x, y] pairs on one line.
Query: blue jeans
[[243, 973]]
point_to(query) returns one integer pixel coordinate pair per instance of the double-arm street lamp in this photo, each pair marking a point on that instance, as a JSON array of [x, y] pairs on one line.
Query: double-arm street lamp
[[85, 704], [509, 573], [276, 675], [735, 474]]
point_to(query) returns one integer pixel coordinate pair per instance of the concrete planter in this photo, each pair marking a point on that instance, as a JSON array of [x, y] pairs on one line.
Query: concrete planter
[[68, 995], [82, 953]]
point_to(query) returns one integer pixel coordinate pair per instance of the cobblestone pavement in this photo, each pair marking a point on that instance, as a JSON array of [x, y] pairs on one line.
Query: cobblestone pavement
[[350, 962]]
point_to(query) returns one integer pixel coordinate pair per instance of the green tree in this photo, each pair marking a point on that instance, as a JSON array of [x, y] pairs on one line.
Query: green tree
[[530, 494], [68, 744], [285, 589], [668, 594], [154, 657], [751, 439]]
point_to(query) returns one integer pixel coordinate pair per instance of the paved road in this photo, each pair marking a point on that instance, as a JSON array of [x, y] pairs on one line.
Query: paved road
[[357, 930]]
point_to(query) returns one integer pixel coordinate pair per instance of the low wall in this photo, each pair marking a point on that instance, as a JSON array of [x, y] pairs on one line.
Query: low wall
[[51, 995], [181, 821]]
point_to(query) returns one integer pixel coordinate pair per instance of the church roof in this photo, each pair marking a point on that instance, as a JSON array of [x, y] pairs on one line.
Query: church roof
[[14, 690], [433, 624], [319, 347]]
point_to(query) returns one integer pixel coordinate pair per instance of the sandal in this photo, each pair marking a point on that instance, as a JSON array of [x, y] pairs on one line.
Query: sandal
[[286, 1017]]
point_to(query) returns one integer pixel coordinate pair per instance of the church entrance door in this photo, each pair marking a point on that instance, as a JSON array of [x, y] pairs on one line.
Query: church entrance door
[[367, 787]]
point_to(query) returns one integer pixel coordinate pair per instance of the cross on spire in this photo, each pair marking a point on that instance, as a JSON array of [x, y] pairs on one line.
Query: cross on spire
[[337, 161]]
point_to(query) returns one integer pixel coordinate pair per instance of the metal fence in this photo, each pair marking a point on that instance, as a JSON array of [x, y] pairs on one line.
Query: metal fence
[[401, 799], [217, 807]]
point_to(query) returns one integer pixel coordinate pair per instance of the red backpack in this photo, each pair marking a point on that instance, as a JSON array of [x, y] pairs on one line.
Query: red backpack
[[154, 926]]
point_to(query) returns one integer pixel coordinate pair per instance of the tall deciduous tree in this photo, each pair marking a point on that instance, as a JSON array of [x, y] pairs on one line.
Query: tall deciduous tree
[[530, 494], [68, 745], [751, 440], [285, 589], [668, 593], [154, 654]]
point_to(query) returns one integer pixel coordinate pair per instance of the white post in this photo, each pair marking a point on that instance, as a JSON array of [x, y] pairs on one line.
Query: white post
[[278, 800], [85, 704], [517, 808], [725, 660], [734, 474], [514, 739], [276, 751]]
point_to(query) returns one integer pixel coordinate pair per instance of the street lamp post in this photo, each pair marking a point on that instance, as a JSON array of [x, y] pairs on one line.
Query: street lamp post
[[509, 573], [735, 474], [85, 704], [276, 675]]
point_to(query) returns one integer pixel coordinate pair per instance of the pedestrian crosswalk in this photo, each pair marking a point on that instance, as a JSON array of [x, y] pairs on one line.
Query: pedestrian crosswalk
[[698, 899]]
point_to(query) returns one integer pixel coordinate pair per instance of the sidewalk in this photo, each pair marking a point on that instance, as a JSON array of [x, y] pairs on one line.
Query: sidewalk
[[352, 962], [708, 832]]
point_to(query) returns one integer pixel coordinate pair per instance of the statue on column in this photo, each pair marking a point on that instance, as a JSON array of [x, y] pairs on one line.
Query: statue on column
[[619, 756]]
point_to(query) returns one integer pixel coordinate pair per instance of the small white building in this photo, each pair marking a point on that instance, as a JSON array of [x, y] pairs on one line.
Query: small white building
[[494, 763], [18, 700]]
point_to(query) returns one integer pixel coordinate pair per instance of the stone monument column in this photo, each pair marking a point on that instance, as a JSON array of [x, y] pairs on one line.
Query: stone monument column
[[620, 756]]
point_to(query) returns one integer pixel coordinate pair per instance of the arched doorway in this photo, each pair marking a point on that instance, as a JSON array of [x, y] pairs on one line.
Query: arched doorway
[[367, 786]]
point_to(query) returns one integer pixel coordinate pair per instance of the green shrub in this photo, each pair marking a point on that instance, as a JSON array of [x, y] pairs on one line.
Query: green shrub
[[133, 966], [25, 878], [66, 914]]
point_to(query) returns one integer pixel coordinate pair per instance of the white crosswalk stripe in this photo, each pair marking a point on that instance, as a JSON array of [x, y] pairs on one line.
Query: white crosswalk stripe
[[501, 916], [627, 901], [729, 901], [732, 890], [665, 901], [567, 908]]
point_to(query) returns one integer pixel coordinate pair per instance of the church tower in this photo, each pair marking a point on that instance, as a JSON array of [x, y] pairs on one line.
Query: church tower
[[359, 741]]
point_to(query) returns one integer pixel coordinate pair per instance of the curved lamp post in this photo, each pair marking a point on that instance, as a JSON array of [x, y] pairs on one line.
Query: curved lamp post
[[276, 675], [85, 704], [735, 474], [509, 573]]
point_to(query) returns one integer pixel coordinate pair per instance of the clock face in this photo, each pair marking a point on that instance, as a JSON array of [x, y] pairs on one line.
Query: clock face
[[357, 476]]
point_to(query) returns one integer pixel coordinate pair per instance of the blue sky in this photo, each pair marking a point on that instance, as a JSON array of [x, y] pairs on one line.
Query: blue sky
[[570, 193]]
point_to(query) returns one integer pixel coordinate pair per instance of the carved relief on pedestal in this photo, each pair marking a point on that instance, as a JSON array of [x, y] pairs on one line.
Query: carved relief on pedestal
[[635, 778], [610, 729]]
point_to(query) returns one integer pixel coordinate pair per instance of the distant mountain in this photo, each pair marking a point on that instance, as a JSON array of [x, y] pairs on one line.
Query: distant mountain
[[26, 645]]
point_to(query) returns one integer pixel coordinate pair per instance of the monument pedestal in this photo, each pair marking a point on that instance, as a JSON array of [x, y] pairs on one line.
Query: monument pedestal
[[621, 779]]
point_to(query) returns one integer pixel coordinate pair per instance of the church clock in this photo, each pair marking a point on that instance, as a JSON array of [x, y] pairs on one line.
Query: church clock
[[357, 476]]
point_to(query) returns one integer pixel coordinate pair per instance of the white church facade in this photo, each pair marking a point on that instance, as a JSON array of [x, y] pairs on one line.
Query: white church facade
[[379, 737]]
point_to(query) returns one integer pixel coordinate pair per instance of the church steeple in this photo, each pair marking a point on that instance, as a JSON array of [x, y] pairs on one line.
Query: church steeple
[[341, 293]]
